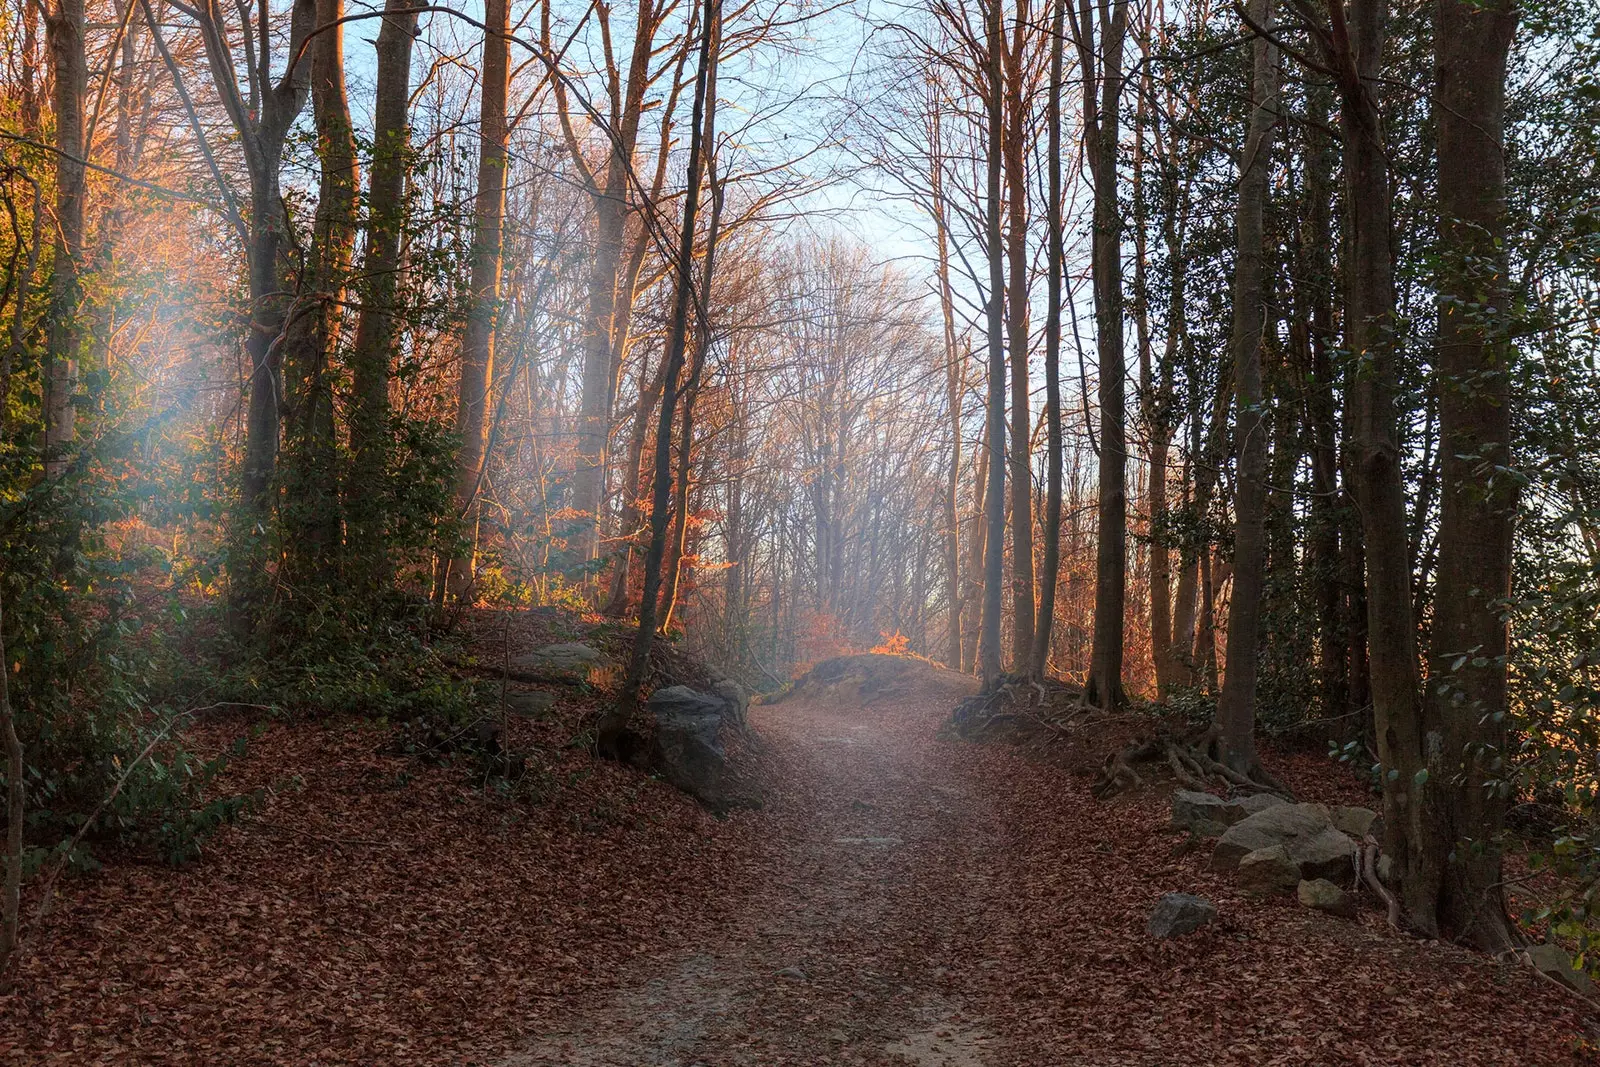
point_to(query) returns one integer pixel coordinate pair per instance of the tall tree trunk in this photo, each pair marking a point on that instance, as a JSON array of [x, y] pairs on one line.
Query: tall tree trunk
[[954, 381], [702, 343], [378, 328], [1017, 307], [989, 666], [263, 131], [1236, 710], [1055, 259], [615, 722], [601, 342], [1459, 861], [1101, 131], [312, 506], [1355, 53], [64, 32], [477, 341]]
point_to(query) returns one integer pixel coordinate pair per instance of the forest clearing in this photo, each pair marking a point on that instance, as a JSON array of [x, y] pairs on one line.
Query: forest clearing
[[935, 532]]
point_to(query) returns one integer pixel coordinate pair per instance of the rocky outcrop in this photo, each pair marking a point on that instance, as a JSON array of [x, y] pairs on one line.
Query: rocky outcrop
[[570, 661], [1306, 833], [1357, 822], [1177, 914]]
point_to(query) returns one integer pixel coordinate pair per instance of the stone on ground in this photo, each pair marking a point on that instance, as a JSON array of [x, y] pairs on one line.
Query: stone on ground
[[1268, 872], [1554, 962], [1304, 830], [1319, 894], [1177, 914]]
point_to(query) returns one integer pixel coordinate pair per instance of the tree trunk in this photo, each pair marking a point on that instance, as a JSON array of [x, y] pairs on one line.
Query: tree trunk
[[1055, 259], [1356, 54], [378, 328], [680, 515], [1017, 307], [1459, 859], [615, 722], [477, 341], [312, 516], [601, 343], [954, 363], [994, 503], [1104, 687], [1236, 709], [64, 32]]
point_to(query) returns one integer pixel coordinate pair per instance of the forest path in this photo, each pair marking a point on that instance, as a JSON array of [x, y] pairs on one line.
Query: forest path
[[936, 903], [884, 894]]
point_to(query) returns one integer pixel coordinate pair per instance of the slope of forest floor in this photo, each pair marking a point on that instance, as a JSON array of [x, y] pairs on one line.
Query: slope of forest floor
[[900, 899]]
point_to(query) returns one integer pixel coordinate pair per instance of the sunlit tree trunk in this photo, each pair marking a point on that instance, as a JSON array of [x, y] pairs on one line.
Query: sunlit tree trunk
[[313, 523], [1103, 73], [1055, 258], [989, 666], [378, 328], [702, 130], [64, 32], [1023, 619], [477, 341]]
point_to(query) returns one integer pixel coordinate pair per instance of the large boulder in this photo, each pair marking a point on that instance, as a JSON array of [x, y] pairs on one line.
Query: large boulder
[[689, 749], [1305, 832], [1209, 815], [1268, 872], [1177, 914], [1319, 894]]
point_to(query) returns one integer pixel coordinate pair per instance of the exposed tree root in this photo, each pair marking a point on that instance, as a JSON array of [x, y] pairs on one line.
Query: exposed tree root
[[1192, 761], [1367, 869]]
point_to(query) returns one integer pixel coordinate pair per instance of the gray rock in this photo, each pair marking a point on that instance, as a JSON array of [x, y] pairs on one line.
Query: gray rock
[[689, 750], [736, 696], [569, 661], [530, 703], [1386, 869], [1209, 815], [1353, 821], [1268, 872], [1554, 962], [1319, 894], [1177, 914], [1305, 832]]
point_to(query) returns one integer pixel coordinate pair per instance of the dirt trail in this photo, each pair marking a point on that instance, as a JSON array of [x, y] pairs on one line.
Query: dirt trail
[[941, 904], [884, 893]]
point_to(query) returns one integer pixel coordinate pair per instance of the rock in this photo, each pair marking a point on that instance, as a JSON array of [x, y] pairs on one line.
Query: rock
[[1268, 872], [530, 703], [1177, 914], [791, 972], [736, 696], [689, 751], [1353, 821], [1319, 894], [1208, 815], [1554, 962], [1386, 869], [1305, 832], [568, 662]]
